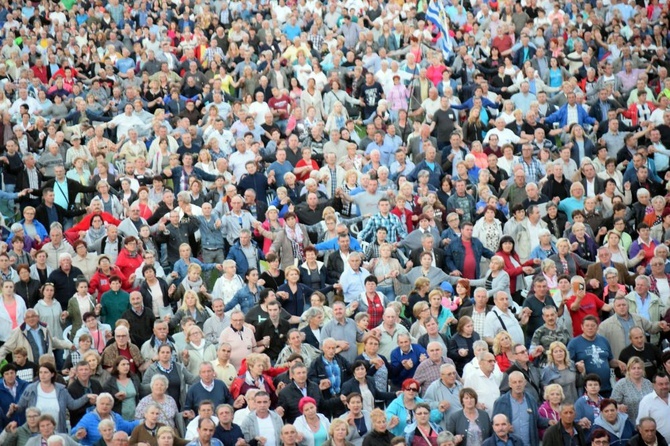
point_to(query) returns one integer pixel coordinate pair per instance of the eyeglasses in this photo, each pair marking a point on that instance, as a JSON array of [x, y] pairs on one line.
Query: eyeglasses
[[411, 389]]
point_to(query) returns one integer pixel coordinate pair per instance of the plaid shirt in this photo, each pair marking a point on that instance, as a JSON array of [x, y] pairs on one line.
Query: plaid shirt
[[396, 230], [534, 171]]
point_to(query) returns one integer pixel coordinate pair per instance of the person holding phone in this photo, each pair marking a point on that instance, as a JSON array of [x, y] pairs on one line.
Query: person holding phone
[[582, 304]]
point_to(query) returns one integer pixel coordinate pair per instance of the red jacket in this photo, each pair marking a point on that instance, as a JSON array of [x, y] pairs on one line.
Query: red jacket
[[100, 282], [128, 264], [72, 234], [513, 271], [631, 113]]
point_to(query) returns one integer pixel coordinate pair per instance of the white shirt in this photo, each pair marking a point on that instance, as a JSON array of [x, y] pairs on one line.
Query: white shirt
[[260, 109], [267, 429], [590, 187], [492, 325], [192, 428], [505, 136], [653, 406], [488, 388], [573, 115], [237, 162]]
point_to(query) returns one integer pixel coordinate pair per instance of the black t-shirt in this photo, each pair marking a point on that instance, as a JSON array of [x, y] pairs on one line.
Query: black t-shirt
[[445, 124], [371, 94], [651, 356]]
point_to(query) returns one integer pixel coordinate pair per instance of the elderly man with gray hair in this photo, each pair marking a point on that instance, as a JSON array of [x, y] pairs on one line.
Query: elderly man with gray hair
[[123, 347]]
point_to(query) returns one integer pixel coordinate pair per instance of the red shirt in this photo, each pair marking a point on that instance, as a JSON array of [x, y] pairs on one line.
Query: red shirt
[[281, 105], [590, 305], [125, 352], [469, 264], [375, 310]]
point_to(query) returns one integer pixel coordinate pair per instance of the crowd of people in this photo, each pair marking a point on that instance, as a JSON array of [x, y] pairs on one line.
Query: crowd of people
[[340, 223]]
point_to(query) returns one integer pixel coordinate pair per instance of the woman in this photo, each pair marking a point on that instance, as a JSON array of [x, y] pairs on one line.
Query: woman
[[100, 333], [270, 228], [583, 245], [150, 431], [422, 431], [318, 300], [147, 207], [488, 229], [365, 386], [618, 425], [86, 261], [513, 266], [339, 432], [548, 268], [124, 387], [546, 248], [337, 116], [100, 282], [248, 295], [80, 304], [561, 370], [461, 345], [198, 350], [610, 172], [556, 75], [567, 262], [470, 425], [420, 294], [619, 254], [313, 426], [433, 335], [97, 372], [296, 346], [169, 410], [358, 419], [473, 129], [608, 196], [421, 313], [191, 307], [12, 310], [385, 268], [27, 287], [380, 435], [550, 410], [293, 295], [311, 97], [628, 392], [273, 277], [93, 234], [378, 365], [496, 278], [52, 398], [110, 203], [87, 428], [256, 376], [156, 293], [175, 372], [400, 412], [503, 351], [290, 243], [312, 331], [50, 311]]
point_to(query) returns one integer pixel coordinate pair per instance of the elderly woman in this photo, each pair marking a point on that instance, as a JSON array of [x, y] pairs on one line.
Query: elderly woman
[[618, 425], [551, 408], [548, 268], [290, 243], [46, 425], [150, 430], [192, 307], [86, 261], [488, 229], [363, 384], [198, 350], [495, 279], [628, 392], [582, 244], [619, 254], [295, 345], [399, 410], [92, 357], [255, 377], [378, 365], [566, 261], [313, 425], [546, 248], [86, 431], [51, 397], [422, 427], [175, 372], [470, 423], [169, 410], [461, 345]]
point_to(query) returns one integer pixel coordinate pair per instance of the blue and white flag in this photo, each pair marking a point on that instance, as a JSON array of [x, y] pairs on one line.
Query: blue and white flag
[[436, 14]]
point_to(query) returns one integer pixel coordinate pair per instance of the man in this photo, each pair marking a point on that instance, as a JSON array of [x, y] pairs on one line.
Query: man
[[352, 280], [330, 370], [617, 329], [645, 303], [122, 347], [582, 304], [428, 370], [160, 337], [388, 332], [485, 382], [140, 318], [639, 347], [593, 352], [209, 388], [462, 202], [656, 405], [395, 229], [56, 246], [427, 245], [205, 410], [228, 432], [595, 274], [292, 393], [502, 433], [216, 323], [82, 384], [548, 333], [530, 372], [64, 279], [501, 318], [262, 423], [463, 255], [206, 434], [35, 337], [223, 369], [176, 233], [443, 393], [648, 435], [520, 407], [11, 389], [566, 431], [245, 253], [593, 184], [344, 330], [273, 331], [479, 310], [536, 302], [66, 191], [240, 337]]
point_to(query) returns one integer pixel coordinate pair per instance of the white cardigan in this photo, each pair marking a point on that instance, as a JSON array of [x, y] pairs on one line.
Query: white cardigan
[[6, 321], [301, 426]]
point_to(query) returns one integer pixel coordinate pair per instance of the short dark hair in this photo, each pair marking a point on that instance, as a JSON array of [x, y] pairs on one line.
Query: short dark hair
[[371, 278], [592, 377]]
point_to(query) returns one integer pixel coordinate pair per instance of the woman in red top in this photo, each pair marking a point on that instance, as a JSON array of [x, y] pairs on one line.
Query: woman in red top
[[514, 267], [502, 349], [305, 166]]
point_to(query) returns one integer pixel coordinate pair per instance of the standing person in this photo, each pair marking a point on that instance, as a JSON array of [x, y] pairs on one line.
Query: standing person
[[566, 427], [656, 405], [594, 352]]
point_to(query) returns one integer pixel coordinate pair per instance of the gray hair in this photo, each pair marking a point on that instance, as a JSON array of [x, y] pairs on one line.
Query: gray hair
[[609, 271], [111, 398], [110, 423], [480, 344], [445, 437], [312, 312], [156, 378], [55, 440]]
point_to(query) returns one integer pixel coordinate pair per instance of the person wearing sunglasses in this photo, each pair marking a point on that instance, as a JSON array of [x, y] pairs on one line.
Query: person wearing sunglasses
[[402, 410]]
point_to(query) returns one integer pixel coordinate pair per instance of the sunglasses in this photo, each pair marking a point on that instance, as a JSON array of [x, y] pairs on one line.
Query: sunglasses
[[411, 389]]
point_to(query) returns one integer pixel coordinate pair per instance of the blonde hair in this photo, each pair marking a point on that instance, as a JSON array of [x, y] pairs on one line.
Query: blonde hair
[[198, 305], [497, 340], [552, 346], [550, 388]]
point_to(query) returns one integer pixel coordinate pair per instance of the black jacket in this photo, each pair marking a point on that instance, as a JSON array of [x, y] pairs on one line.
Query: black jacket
[[112, 387], [331, 404], [552, 188], [554, 436], [277, 336], [415, 257], [147, 297], [310, 338], [74, 188], [335, 267], [381, 397], [290, 396], [77, 390], [637, 440], [65, 284], [143, 325], [42, 216], [375, 438], [29, 291]]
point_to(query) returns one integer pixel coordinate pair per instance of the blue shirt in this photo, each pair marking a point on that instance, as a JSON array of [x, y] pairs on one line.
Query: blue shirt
[[352, 282], [61, 194], [596, 355], [521, 420], [643, 307]]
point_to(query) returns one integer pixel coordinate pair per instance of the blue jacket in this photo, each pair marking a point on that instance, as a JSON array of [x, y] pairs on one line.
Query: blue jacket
[[65, 400], [398, 372], [331, 245], [454, 255], [618, 438], [181, 268], [245, 298], [240, 259], [39, 227], [493, 440], [503, 405], [90, 423], [411, 429], [6, 399], [397, 409], [561, 116]]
